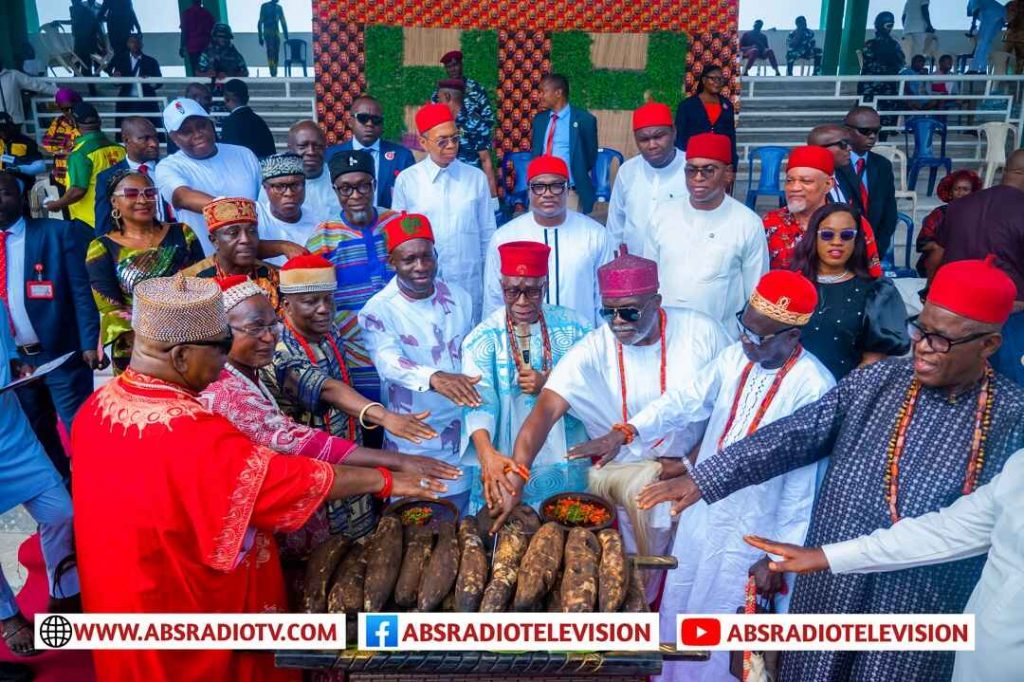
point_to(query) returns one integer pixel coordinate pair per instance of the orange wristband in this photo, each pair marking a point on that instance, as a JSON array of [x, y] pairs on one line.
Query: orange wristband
[[626, 432]]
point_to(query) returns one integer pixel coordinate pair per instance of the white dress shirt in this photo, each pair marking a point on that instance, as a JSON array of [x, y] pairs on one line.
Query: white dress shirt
[[321, 199], [579, 246], [272, 227], [639, 189], [24, 333], [373, 150], [457, 201], [708, 260], [991, 519]]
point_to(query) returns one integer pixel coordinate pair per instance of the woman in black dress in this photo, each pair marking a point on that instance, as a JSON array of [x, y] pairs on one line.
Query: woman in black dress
[[708, 111], [859, 319]]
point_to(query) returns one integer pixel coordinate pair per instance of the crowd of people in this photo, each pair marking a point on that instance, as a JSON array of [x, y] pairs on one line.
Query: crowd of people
[[297, 337]]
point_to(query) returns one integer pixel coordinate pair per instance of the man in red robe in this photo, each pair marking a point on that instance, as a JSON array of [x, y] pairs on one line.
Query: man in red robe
[[170, 498]]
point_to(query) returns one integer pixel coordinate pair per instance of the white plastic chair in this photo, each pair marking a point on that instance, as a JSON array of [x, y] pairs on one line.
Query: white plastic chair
[[995, 134], [57, 52], [899, 170]]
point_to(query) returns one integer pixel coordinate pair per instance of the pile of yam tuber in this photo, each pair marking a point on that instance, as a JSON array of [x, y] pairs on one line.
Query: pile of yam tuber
[[533, 567]]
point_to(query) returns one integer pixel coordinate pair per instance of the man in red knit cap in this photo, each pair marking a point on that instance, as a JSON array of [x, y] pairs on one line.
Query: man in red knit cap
[[579, 244], [710, 248], [764, 376], [648, 179], [456, 199], [904, 437]]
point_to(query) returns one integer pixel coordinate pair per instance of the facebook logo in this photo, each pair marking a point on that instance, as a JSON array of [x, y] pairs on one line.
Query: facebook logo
[[382, 630]]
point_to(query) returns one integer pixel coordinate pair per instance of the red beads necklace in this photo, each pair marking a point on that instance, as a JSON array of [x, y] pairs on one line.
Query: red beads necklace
[[662, 320], [546, 362], [304, 344], [765, 402], [982, 422]]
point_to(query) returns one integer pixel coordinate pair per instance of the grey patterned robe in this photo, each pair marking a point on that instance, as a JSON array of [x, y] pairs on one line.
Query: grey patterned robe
[[854, 422]]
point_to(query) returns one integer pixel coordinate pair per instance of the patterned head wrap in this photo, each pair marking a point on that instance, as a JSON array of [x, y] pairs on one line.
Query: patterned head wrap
[[279, 165], [178, 309]]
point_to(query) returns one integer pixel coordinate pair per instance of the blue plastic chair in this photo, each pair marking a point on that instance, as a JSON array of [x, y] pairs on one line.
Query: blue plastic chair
[[516, 163], [768, 184], [924, 130], [602, 173], [906, 269]]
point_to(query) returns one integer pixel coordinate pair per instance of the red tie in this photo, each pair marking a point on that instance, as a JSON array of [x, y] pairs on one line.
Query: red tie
[[144, 169], [863, 185], [551, 133]]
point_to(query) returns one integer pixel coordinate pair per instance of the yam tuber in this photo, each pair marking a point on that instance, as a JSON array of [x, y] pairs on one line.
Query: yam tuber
[[579, 582], [511, 546], [539, 568], [319, 569], [472, 578], [440, 574], [384, 559], [612, 573], [346, 594], [419, 540]]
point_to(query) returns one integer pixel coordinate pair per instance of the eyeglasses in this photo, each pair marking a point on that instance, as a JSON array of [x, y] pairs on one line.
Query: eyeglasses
[[842, 144], [286, 187], [257, 331], [829, 235], [752, 336], [363, 188], [627, 313], [868, 132], [367, 119], [705, 172], [512, 294], [223, 345], [937, 342], [133, 193], [445, 142], [556, 188]]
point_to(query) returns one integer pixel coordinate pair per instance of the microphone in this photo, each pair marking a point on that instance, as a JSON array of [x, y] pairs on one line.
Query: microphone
[[523, 332]]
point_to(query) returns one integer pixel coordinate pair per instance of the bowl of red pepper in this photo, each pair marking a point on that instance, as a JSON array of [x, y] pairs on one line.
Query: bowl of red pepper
[[578, 510]]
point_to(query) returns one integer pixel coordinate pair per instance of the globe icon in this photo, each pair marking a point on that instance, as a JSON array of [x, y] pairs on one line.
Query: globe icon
[[55, 631]]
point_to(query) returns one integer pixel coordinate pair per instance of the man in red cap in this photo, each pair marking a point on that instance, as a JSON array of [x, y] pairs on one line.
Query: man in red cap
[[764, 376], [579, 245], [807, 184], [474, 134], [904, 437], [615, 372], [710, 248], [514, 350], [455, 197], [645, 181], [413, 329], [570, 133], [479, 114]]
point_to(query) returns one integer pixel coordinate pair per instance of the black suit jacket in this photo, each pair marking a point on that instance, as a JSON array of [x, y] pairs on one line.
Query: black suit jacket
[[692, 119], [846, 178], [147, 67], [244, 127], [881, 211], [582, 150]]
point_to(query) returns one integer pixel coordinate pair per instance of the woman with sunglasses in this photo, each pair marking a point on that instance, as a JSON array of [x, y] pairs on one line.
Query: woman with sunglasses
[[138, 248], [707, 111], [956, 185], [859, 319]]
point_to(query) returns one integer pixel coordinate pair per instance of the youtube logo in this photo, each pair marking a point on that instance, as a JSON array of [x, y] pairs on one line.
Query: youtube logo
[[700, 631]]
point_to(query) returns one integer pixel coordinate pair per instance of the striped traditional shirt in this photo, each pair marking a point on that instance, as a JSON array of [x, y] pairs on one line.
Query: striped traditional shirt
[[360, 256]]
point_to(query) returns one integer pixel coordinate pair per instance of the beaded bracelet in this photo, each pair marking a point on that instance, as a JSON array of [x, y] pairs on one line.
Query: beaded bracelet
[[626, 432], [389, 482], [362, 414], [520, 470]]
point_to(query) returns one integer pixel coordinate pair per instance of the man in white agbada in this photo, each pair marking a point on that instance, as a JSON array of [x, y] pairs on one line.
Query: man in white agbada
[[710, 248], [413, 329], [456, 199], [645, 181], [579, 245], [513, 350], [615, 372], [987, 520], [306, 139], [763, 377], [281, 210]]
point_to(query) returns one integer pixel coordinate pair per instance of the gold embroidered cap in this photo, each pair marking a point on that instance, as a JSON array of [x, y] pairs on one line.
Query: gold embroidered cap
[[178, 309], [307, 274], [226, 211], [785, 296], [236, 289]]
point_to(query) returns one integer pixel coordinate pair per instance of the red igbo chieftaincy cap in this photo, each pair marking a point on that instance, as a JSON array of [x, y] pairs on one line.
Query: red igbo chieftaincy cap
[[817, 158], [547, 165], [308, 273], [627, 275], [785, 296], [432, 115], [652, 114], [710, 146], [524, 259], [975, 289], [407, 227]]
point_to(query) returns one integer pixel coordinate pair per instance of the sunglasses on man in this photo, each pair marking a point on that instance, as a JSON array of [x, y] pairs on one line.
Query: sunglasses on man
[[367, 119], [867, 132], [626, 313], [842, 144], [752, 336]]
